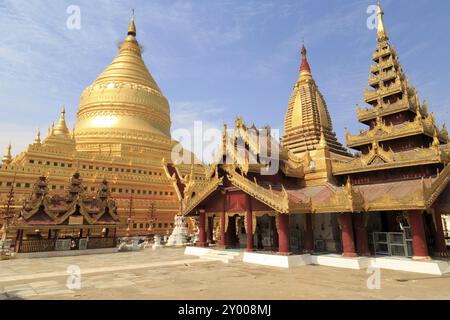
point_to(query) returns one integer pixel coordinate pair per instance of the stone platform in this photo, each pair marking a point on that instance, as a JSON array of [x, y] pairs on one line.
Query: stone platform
[[433, 267], [68, 253]]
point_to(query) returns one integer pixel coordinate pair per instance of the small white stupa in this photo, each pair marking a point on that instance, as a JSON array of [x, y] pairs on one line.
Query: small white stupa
[[179, 234]]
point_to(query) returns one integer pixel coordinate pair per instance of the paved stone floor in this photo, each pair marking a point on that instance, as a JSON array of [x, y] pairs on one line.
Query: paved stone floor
[[168, 274]]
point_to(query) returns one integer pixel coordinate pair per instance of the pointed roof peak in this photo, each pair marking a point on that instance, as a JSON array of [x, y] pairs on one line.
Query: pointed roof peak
[[305, 68], [381, 30], [37, 140], [7, 158], [132, 26]]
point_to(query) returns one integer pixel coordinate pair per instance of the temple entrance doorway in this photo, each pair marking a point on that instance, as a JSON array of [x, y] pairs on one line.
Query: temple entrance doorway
[[266, 233]]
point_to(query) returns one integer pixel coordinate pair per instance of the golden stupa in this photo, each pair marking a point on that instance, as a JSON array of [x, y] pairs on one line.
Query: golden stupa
[[124, 110], [122, 134]]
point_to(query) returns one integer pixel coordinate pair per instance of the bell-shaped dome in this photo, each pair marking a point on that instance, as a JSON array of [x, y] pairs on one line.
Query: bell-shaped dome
[[124, 107]]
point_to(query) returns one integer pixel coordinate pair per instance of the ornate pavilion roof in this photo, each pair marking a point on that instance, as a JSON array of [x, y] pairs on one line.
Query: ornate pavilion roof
[[75, 208]]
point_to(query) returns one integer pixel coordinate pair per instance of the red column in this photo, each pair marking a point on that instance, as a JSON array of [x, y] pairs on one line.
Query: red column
[[249, 226], [222, 230], [283, 234], [420, 248], [201, 229], [249, 231], [348, 244], [308, 246], [440, 247], [362, 238], [209, 231]]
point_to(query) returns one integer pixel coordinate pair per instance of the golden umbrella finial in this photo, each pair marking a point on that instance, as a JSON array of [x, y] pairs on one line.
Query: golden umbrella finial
[[132, 26], [381, 30], [37, 140], [7, 158]]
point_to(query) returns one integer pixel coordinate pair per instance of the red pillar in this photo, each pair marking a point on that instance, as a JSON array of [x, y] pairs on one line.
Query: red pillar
[[348, 244], [201, 229], [222, 230], [420, 248], [249, 231], [249, 225], [440, 246], [209, 230], [308, 246], [283, 234], [362, 238]]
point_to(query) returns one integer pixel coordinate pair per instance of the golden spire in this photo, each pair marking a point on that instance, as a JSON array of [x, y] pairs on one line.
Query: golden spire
[[61, 127], [382, 35], [305, 68], [7, 158], [37, 140], [308, 124], [132, 27]]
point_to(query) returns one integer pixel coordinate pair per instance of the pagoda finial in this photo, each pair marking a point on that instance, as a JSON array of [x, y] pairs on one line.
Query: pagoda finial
[[381, 30], [304, 68], [61, 127], [444, 131], [424, 107], [7, 158], [37, 140], [132, 26]]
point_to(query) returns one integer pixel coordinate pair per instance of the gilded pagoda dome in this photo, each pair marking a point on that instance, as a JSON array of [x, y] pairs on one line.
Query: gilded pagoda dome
[[124, 109]]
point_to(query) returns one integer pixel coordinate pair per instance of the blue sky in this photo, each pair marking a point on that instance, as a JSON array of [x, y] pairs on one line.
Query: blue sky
[[214, 60]]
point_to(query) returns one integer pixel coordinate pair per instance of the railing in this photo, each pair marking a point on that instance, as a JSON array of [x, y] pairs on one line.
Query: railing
[[42, 245], [37, 245], [393, 243], [101, 243]]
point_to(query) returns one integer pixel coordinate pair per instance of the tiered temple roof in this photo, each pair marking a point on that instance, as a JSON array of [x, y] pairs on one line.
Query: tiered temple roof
[[73, 209], [402, 135]]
